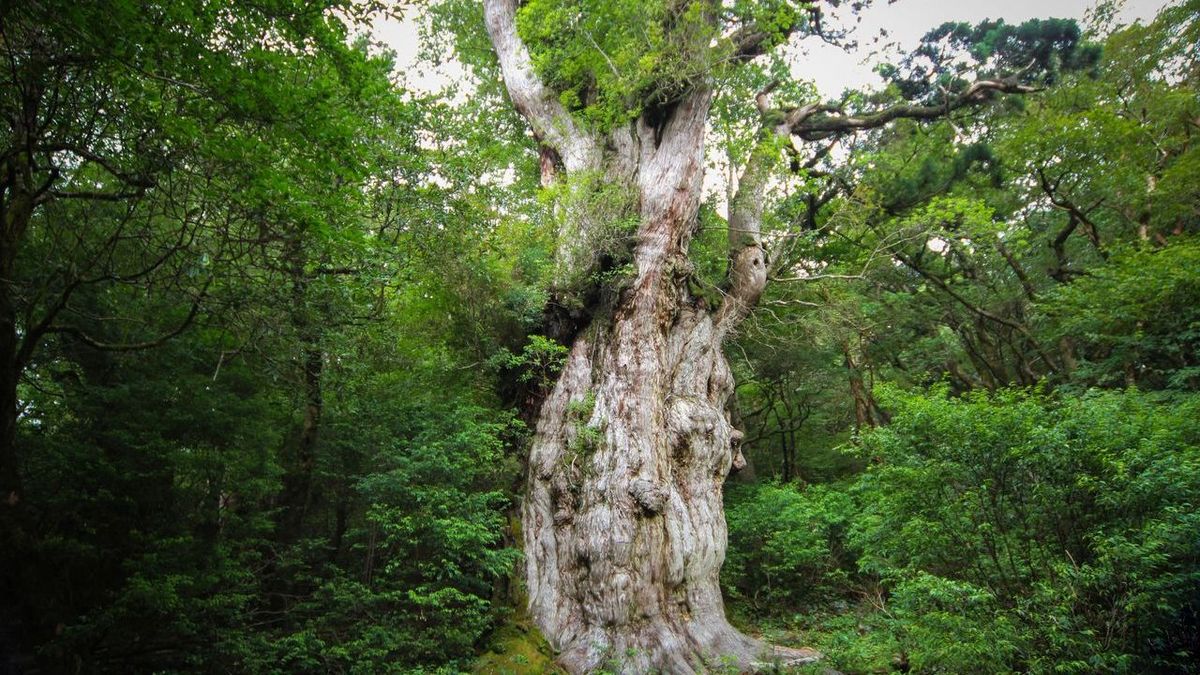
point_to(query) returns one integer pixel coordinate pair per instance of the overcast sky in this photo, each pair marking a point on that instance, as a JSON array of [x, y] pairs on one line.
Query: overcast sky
[[831, 68], [907, 20]]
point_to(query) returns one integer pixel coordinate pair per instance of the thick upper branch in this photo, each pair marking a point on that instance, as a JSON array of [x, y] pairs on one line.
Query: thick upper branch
[[552, 124], [815, 122], [747, 272], [751, 40]]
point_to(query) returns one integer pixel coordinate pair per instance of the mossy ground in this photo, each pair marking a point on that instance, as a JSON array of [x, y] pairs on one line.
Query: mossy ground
[[517, 648]]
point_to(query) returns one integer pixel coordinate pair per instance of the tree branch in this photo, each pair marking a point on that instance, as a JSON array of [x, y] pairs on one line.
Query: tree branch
[[1077, 215], [816, 122], [95, 196], [133, 346], [87, 155], [537, 103], [977, 310], [750, 40]]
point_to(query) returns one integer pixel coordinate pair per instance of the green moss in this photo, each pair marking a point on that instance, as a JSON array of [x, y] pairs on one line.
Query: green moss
[[711, 295], [581, 410], [517, 648]]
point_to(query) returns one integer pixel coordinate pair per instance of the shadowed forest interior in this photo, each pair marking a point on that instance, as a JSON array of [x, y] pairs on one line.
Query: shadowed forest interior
[[626, 352]]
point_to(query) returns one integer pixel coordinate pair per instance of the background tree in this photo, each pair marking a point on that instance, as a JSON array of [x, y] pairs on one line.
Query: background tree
[[245, 429], [1029, 357]]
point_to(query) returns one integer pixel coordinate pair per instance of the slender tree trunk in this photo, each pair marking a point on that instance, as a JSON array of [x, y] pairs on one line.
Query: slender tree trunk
[[306, 447], [10, 478], [865, 408], [16, 212], [298, 487], [17, 199], [10, 486]]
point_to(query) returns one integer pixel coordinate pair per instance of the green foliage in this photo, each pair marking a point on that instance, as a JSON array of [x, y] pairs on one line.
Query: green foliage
[[539, 361], [251, 303], [1014, 533], [431, 545], [612, 60], [1048, 509], [249, 437], [785, 545], [1038, 50], [1137, 318]]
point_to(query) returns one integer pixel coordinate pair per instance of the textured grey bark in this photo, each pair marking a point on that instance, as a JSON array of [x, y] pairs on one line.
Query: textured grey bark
[[623, 526]]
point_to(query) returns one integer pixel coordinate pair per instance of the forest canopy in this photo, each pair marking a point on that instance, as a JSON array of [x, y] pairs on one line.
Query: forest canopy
[[627, 352]]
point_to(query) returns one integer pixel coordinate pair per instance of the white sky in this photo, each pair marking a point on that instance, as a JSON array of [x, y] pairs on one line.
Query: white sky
[[832, 69], [906, 21]]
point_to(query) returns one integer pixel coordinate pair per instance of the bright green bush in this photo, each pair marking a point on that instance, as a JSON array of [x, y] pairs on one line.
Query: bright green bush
[[1136, 320], [1011, 533], [785, 545], [1048, 535], [430, 548]]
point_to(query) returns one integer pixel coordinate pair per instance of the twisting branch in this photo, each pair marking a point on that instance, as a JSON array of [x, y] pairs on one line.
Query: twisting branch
[[131, 179], [135, 346], [811, 122], [1077, 215], [537, 103], [977, 310], [817, 121]]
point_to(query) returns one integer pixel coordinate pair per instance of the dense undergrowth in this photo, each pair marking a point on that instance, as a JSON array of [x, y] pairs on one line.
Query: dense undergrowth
[[1017, 532], [275, 329]]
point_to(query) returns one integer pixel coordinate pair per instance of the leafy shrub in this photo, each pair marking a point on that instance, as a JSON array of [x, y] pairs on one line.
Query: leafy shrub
[[1136, 319], [1052, 535], [431, 547], [1010, 533], [785, 545]]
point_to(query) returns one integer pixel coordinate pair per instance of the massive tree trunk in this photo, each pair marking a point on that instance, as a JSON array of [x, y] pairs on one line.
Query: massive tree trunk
[[624, 530], [623, 526]]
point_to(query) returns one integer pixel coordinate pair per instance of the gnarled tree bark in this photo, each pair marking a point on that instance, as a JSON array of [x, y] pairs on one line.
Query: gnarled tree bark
[[623, 527]]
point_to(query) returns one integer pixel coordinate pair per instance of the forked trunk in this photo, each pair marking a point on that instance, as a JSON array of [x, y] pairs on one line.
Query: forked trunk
[[624, 530], [623, 526]]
